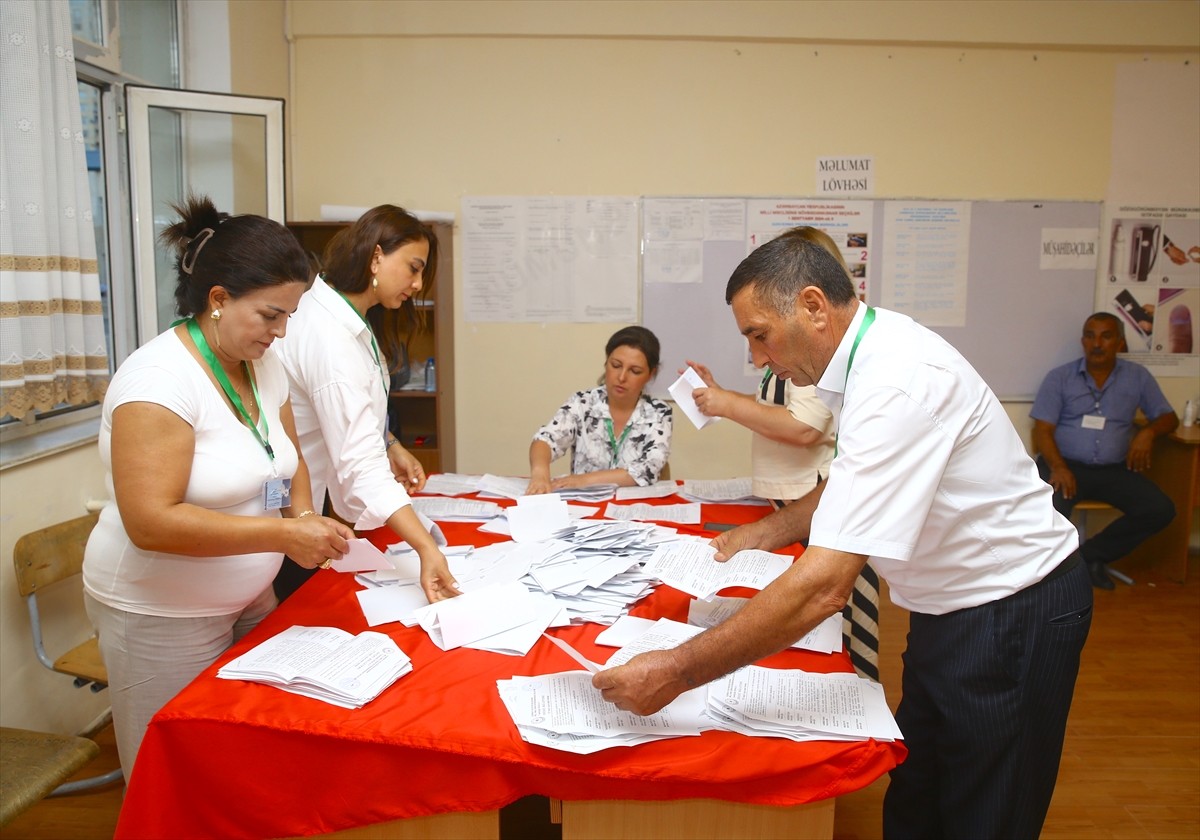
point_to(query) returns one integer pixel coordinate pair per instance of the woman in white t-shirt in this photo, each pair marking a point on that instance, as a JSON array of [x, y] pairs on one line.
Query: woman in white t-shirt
[[347, 335], [208, 488]]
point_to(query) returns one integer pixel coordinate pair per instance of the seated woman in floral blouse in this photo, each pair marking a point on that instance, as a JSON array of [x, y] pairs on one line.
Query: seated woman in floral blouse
[[618, 434]]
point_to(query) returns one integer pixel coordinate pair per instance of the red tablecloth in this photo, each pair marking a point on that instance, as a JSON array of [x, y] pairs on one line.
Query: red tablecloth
[[231, 759]]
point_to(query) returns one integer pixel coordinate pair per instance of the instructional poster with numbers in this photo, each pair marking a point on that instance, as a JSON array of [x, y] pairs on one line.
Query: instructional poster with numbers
[[550, 258]]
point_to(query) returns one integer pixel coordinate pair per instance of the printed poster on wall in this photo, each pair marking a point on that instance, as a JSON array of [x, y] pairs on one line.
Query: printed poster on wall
[[1151, 281], [848, 224], [550, 258]]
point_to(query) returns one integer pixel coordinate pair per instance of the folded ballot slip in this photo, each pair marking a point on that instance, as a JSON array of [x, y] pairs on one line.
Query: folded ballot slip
[[681, 391]]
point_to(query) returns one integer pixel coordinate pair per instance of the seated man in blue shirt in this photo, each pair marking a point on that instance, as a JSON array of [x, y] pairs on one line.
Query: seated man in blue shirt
[[1090, 449]]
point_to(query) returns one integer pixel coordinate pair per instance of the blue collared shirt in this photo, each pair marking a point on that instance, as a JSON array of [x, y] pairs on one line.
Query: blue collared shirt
[[1069, 393]]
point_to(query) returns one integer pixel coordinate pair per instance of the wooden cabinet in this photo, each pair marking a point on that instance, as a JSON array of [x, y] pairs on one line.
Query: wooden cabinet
[[423, 420]]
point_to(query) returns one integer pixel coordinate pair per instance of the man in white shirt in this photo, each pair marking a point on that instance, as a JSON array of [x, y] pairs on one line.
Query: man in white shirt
[[932, 484]]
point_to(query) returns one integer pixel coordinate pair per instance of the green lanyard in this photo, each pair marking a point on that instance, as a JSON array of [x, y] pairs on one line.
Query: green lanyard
[[374, 346], [202, 345], [867, 320], [613, 443]]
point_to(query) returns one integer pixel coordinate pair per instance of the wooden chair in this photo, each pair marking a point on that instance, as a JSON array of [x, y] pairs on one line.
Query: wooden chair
[[42, 559], [1085, 506], [33, 765]]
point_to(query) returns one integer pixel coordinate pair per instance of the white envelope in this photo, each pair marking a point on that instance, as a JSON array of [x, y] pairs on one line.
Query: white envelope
[[681, 391]]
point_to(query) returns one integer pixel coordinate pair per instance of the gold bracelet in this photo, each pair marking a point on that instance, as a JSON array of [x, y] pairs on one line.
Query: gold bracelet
[[305, 513]]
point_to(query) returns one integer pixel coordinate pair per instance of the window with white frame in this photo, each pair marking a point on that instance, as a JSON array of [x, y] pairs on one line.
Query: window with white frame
[[116, 42]]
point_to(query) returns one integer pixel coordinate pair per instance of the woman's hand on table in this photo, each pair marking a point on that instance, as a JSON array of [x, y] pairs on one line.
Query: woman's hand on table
[[436, 580], [312, 540], [406, 468], [538, 485], [644, 684], [569, 481]]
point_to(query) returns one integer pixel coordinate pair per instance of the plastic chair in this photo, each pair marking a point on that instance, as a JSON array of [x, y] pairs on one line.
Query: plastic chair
[[1085, 506], [42, 559]]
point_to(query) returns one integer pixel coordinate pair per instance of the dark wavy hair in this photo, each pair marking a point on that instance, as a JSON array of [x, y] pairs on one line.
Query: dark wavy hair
[[638, 338], [241, 254], [347, 268], [781, 268]]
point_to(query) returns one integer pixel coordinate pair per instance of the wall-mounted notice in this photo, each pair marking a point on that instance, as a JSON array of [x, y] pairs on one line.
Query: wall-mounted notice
[[848, 224], [550, 258], [925, 260], [852, 175], [1151, 271]]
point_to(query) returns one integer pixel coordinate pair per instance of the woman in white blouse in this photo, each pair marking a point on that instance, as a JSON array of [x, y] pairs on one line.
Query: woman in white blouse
[[346, 335], [208, 490], [617, 434]]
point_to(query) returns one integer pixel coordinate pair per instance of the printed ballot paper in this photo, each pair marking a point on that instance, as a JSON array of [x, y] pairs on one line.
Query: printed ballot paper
[[688, 565], [681, 391], [323, 663]]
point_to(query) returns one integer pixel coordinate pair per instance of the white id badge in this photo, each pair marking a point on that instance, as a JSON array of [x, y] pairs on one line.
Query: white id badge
[[277, 493], [1093, 421]]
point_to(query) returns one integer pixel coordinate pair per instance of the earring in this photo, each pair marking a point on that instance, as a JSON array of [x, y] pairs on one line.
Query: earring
[[216, 315], [374, 282]]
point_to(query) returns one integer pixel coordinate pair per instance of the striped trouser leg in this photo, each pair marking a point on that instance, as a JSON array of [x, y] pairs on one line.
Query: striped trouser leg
[[860, 624]]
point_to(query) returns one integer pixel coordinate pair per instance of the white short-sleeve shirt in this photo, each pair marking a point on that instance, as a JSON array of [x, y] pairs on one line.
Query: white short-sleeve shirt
[[931, 479], [229, 468]]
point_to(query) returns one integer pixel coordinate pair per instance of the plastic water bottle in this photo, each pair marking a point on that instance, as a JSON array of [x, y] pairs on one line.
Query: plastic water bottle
[[1189, 413], [430, 375]]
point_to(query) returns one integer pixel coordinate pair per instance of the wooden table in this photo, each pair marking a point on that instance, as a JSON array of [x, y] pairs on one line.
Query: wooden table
[[436, 755], [1175, 467]]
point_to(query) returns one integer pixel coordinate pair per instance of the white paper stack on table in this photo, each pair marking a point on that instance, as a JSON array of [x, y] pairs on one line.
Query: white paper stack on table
[[721, 491], [458, 510], [323, 663], [564, 712], [766, 702], [753, 701], [450, 484]]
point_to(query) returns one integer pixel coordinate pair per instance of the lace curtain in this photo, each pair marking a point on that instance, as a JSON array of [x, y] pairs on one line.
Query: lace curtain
[[52, 345]]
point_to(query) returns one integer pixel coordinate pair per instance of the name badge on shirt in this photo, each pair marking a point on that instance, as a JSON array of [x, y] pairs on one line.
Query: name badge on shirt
[[1093, 421], [277, 493]]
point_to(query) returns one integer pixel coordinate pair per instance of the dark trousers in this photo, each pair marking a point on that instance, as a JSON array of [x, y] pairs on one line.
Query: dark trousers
[[984, 712], [1145, 508]]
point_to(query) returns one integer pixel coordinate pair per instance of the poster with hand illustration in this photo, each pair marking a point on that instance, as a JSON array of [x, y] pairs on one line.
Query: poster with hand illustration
[[1151, 281]]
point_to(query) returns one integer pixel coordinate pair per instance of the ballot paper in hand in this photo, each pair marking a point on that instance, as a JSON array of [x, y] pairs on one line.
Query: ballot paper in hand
[[681, 391], [323, 663], [826, 637], [689, 566], [564, 712], [361, 556]]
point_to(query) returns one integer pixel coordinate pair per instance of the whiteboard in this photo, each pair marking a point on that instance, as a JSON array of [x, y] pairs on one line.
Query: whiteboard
[[1021, 320]]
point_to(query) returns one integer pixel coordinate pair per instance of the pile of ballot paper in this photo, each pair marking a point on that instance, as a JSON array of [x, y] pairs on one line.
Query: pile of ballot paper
[[323, 663], [557, 570], [563, 711]]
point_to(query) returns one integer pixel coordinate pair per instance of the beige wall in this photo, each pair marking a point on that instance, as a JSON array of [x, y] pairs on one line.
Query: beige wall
[[422, 103]]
